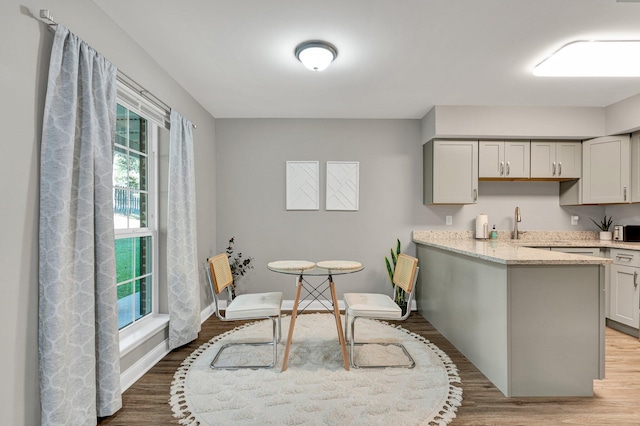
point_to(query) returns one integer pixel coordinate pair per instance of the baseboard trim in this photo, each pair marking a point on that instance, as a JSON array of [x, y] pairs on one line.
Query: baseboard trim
[[144, 364], [623, 328], [207, 312]]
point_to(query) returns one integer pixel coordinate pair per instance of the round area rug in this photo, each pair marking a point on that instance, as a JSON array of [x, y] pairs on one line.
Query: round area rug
[[316, 389]]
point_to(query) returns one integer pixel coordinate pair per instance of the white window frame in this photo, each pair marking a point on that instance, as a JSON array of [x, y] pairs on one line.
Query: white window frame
[[139, 330]]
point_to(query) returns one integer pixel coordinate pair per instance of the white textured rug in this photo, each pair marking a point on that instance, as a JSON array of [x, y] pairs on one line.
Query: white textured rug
[[316, 389]]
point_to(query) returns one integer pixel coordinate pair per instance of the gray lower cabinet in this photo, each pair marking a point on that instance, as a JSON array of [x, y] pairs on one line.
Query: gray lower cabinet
[[533, 330], [624, 300]]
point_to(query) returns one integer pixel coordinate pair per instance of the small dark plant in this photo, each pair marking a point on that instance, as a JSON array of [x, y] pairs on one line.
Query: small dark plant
[[398, 297], [605, 224], [239, 265]]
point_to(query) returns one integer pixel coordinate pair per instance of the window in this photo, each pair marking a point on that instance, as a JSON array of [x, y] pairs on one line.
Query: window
[[135, 215]]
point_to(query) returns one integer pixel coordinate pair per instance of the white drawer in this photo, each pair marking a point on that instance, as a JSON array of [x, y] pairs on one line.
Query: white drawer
[[625, 257], [586, 251]]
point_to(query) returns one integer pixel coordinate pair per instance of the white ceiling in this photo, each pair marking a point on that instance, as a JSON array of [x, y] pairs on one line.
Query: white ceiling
[[397, 58]]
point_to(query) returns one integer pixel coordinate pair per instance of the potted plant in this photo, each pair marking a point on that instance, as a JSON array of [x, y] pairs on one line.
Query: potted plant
[[604, 226], [239, 265], [399, 296]]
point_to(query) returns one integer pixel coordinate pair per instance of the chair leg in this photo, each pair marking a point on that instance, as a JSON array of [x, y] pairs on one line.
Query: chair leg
[[279, 328], [411, 363], [346, 324], [274, 342]]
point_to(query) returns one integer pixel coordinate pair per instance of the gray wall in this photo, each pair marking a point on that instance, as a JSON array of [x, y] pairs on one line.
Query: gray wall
[[250, 173], [251, 197], [24, 48], [538, 202], [624, 214]]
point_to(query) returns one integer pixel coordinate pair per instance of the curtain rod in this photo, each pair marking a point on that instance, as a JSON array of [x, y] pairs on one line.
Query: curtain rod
[[46, 17]]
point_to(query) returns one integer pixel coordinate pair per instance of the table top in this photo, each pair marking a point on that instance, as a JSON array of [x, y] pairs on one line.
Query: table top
[[303, 267]]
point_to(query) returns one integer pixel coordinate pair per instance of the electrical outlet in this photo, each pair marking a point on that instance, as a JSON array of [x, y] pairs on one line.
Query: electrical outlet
[[449, 220], [574, 220]]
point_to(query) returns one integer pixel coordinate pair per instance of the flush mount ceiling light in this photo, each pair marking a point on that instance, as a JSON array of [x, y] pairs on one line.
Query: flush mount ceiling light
[[594, 58], [315, 54]]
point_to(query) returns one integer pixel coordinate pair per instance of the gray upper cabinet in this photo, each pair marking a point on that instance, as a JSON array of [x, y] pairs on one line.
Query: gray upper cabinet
[[606, 170], [503, 159], [556, 159], [635, 167], [450, 172]]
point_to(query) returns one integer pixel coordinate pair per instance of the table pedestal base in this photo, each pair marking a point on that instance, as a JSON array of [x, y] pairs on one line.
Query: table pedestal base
[[336, 313]]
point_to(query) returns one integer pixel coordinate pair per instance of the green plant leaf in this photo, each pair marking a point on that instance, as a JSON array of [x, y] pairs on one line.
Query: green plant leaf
[[398, 246], [605, 224], [394, 258], [389, 270]]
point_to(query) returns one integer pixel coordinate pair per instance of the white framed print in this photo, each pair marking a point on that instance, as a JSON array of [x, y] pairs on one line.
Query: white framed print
[[303, 185], [343, 181]]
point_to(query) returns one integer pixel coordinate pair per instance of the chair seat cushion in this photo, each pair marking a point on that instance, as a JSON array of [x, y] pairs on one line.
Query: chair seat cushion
[[371, 305], [254, 305]]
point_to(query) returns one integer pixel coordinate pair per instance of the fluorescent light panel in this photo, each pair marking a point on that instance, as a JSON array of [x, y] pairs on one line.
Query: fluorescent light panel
[[597, 58]]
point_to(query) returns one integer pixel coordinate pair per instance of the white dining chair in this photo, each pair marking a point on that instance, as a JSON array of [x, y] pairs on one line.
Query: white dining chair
[[381, 306], [243, 307]]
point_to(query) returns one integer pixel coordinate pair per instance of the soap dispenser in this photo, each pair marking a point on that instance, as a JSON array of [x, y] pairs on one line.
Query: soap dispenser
[[494, 233]]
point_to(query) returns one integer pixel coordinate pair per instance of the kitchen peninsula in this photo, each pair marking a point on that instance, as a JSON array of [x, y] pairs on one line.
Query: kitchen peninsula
[[531, 320]]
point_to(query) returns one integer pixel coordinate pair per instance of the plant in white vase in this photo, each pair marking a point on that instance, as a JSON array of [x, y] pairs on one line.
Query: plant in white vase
[[604, 226]]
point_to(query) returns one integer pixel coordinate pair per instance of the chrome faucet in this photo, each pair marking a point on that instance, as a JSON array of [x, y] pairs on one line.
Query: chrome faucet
[[517, 218]]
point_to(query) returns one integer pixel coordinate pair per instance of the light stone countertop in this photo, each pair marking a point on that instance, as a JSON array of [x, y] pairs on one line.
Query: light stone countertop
[[504, 250]]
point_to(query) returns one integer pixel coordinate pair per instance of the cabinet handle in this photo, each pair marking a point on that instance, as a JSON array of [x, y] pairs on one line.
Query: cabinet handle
[[554, 169], [625, 258], [475, 195], [625, 193], [635, 279], [559, 168], [508, 168], [501, 168]]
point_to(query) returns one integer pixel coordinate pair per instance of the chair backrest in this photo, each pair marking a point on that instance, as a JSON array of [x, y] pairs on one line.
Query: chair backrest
[[405, 272], [220, 272]]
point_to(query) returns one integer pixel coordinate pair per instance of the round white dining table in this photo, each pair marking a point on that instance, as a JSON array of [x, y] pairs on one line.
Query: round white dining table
[[327, 268]]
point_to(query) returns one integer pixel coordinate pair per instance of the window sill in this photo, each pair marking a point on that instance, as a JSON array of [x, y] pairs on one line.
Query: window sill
[[142, 332]]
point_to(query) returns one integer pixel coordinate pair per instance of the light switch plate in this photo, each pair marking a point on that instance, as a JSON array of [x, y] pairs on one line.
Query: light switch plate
[[449, 220], [574, 220]]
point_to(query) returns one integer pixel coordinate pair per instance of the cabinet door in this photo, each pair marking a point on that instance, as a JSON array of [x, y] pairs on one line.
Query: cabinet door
[[517, 159], [606, 170], [491, 159], [635, 168], [455, 172], [624, 295], [543, 159], [569, 160], [555, 159], [503, 159]]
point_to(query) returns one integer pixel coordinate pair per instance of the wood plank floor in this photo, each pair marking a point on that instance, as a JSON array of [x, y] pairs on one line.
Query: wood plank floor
[[616, 400]]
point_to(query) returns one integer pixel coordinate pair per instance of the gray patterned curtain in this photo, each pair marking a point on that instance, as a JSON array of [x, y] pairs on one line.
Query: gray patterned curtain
[[78, 318], [182, 262]]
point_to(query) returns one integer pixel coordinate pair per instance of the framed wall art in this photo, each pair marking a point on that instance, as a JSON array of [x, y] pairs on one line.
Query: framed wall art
[[343, 185], [303, 185]]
